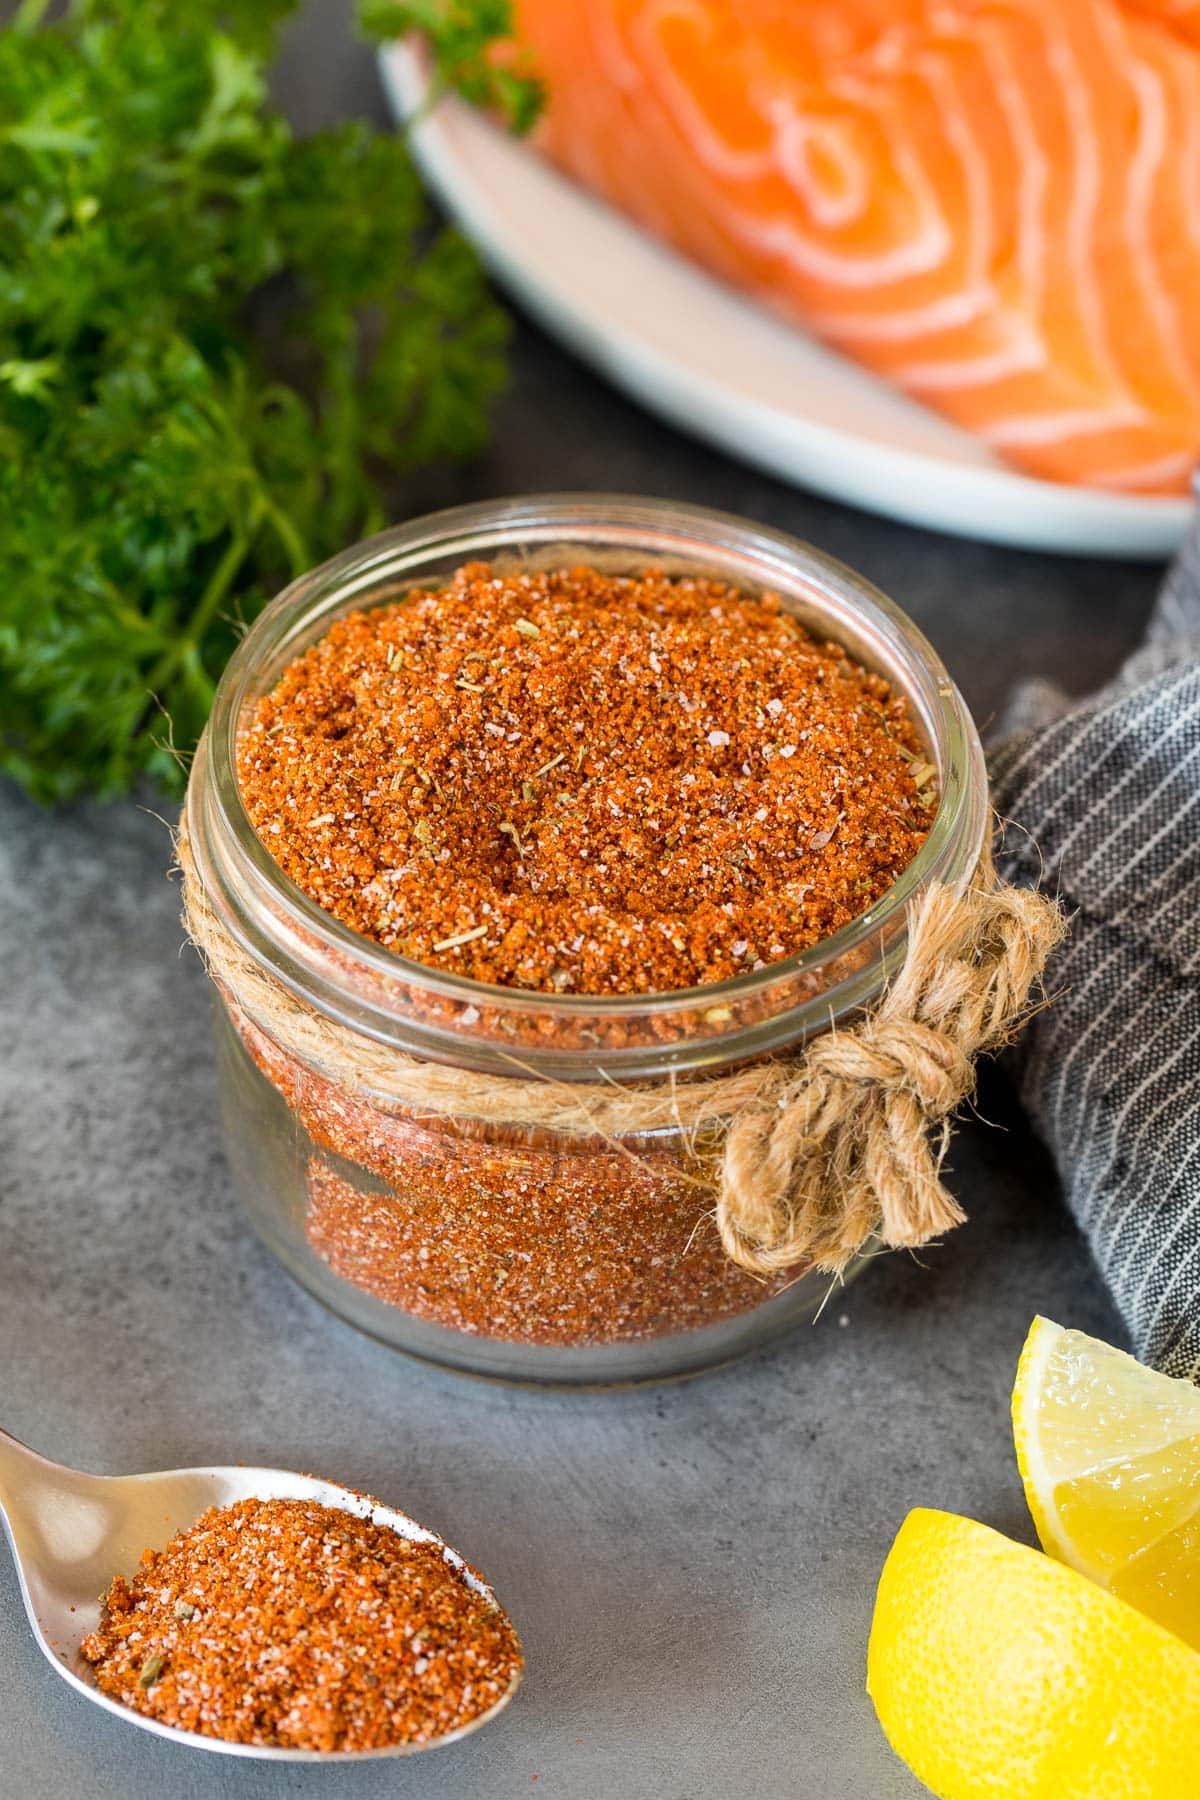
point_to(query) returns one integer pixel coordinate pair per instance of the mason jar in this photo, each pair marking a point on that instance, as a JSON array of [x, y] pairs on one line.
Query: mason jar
[[452, 1231]]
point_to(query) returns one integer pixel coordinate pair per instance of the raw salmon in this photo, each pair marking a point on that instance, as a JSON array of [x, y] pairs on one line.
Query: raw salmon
[[993, 203]]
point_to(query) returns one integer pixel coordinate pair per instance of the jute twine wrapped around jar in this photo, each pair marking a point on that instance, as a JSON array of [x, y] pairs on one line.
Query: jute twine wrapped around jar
[[817, 1154]]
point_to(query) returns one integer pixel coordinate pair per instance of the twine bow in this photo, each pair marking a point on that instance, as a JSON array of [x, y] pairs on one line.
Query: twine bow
[[846, 1143], [817, 1154]]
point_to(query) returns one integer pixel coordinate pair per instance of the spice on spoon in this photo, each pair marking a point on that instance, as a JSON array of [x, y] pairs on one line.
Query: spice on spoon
[[291, 1624]]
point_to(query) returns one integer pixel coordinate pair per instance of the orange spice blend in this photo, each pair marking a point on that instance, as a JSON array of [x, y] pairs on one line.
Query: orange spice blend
[[573, 782], [567, 782], [289, 1623]]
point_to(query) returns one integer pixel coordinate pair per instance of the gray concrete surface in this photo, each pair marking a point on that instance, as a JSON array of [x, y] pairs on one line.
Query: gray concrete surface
[[692, 1567]]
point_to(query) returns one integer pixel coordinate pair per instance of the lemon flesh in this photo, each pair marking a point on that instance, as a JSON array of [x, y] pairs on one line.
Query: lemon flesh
[[998, 1674], [1109, 1453]]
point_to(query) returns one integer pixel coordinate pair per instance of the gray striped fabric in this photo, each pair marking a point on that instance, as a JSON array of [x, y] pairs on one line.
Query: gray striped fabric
[[1109, 793]]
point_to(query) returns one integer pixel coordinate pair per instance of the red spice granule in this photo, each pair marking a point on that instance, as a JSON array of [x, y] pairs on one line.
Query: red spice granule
[[533, 1247], [289, 1623], [574, 782], [529, 1237]]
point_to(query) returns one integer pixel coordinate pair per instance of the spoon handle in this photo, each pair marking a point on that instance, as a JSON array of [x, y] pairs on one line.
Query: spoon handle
[[15, 1460], [25, 1476], [61, 1524]]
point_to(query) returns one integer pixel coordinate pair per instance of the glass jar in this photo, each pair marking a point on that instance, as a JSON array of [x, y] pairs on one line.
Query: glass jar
[[491, 1246]]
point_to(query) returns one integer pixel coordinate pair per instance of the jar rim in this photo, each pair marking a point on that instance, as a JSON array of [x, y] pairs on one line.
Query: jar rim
[[371, 988]]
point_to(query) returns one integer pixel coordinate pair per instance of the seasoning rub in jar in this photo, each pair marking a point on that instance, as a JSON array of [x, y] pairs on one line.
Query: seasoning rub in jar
[[581, 820], [573, 782]]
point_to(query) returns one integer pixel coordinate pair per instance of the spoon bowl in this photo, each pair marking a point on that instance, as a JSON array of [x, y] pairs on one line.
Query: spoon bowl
[[72, 1532]]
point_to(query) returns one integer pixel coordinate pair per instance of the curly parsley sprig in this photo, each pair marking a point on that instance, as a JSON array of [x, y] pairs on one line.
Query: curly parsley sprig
[[212, 336]]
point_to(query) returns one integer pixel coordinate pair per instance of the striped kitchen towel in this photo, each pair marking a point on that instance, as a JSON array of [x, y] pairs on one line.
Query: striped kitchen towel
[[1103, 804]]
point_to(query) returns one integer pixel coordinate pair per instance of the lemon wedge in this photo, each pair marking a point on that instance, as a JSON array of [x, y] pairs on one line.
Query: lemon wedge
[[1109, 1453], [999, 1674]]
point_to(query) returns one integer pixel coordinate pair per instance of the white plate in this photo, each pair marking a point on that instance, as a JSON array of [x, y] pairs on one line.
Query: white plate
[[717, 365]]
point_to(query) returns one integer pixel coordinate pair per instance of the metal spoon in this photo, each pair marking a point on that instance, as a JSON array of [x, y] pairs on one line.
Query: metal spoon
[[71, 1533]]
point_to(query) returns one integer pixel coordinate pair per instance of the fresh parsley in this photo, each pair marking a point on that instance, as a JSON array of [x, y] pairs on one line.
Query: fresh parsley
[[213, 336]]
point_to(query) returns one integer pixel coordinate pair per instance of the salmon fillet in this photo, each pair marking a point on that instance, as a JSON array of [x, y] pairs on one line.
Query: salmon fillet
[[995, 204]]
